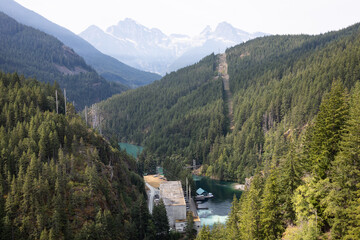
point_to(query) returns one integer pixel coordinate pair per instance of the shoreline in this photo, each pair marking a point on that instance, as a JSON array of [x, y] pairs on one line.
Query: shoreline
[[238, 186], [234, 185]]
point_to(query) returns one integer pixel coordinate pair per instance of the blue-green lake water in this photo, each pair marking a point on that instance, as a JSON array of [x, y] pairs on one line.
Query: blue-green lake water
[[131, 149], [219, 206]]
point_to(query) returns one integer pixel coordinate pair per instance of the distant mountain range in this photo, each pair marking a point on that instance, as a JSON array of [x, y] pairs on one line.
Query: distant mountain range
[[154, 51], [33, 53], [108, 67]]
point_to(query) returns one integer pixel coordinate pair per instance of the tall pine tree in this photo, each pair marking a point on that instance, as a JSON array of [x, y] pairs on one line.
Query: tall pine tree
[[343, 203], [271, 214], [329, 125], [160, 220]]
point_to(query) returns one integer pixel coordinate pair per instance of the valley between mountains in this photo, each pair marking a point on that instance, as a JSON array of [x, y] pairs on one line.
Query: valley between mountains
[[280, 113], [292, 103]]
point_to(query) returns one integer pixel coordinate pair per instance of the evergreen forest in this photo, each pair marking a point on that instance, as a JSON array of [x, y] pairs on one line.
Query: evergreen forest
[[277, 84], [60, 179], [295, 136], [33, 53], [180, 116], [311, 190], [289, 126]]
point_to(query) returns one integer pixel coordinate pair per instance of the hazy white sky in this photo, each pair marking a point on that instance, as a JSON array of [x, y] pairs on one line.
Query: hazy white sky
[[192, 16]]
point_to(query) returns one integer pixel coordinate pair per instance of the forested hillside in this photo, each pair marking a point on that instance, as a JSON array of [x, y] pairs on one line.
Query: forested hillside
[[277, 84], [108, 67], [307, 183], [58, 178], [310, 189], [181, 114], [36, 54]]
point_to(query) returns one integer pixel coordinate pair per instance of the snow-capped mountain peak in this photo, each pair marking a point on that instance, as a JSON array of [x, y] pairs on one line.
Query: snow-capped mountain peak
[[206, 32], [130, 29], [152, 50]]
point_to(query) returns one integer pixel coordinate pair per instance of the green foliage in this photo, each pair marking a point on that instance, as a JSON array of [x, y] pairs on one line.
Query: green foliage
[[204, 233], [285, 200], [295, 133], [59, 179], [307, 204], [328, 127], [232, 222], [290, 178], [277, 84], [161, 221], [343, 203], [326, 203], [270, 211], [190, 232], [182, 113], [249, 214], [141, 216], [305, 230], [217, 232], [35, 54]]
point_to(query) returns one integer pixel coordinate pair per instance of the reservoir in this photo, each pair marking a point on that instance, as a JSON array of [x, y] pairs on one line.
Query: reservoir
[[131, 149], [219, 206]]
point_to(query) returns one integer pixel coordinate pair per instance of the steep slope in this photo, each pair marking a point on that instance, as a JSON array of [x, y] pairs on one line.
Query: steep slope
[[152, 50], [35, 54], [307, 186], [223, 72], [106, 66], [183, 113], [277, 83], [58, 178]]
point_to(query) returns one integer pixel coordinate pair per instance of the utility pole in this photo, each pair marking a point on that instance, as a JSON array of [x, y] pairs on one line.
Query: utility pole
[[57, 104], [100, 124], [189, 192], [65, 99], [94, 112], [186, 189], [86, 116]]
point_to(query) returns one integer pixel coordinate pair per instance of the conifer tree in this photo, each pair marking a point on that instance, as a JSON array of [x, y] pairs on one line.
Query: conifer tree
[[343, 202], [160, 220], [204, 233], [140, 215], [189, 229], [250, 203], [42, 195], [271, 214], [290, 174], [44, 235], [329, 125], [232, 228], [2, 206], [218, 231]]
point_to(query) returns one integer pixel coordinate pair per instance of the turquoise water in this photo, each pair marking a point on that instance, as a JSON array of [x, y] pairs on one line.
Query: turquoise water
[[131, 149], [219, 206], [160, 170]]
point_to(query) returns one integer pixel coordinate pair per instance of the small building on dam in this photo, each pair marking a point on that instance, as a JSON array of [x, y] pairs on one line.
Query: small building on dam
[[172, 194]]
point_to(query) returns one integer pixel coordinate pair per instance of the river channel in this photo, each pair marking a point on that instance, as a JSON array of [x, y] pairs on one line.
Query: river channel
[[219, 206]]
